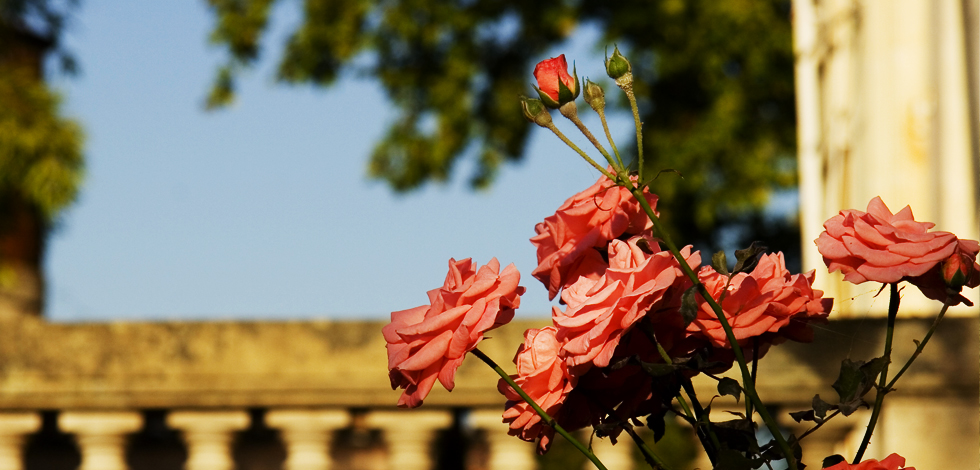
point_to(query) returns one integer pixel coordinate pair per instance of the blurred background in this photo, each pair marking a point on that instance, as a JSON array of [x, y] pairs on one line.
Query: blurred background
[[208, 209]]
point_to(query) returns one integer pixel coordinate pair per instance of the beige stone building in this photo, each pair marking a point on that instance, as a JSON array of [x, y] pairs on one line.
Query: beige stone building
[[888, 106]]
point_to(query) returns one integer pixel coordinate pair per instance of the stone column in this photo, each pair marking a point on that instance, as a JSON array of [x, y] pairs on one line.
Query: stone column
[[619, 456], [308, 435], [506, 452], [14, 427], [101, 436], [410, 436], [208, 436]]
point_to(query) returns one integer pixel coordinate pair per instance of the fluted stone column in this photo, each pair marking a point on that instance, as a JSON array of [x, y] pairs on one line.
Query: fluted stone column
[[208, 436], [308, 435], [101, 436], [619, 456], [14, 428], [506, 452], [410, 436]]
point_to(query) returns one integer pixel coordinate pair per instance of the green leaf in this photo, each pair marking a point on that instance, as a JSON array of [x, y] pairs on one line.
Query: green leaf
[[730, 386], [689, 306], [720, 262], [747, 258]]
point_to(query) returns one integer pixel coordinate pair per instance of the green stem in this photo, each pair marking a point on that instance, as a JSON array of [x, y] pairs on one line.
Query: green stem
[[755, 369], [893, 301], [652, 458], [571, 113], [922, 344], [639, 130], [551, 126], [748, 385], [817, 426], [544, 416], [703, 427], [612, 143]]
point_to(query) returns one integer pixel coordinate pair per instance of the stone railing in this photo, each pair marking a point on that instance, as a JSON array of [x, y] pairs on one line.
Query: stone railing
[[317, 396]]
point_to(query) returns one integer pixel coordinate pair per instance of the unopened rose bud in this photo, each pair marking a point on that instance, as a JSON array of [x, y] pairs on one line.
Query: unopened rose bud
[[617, 65], [957, 270], [555, 86], [535, 111], [594, 95]]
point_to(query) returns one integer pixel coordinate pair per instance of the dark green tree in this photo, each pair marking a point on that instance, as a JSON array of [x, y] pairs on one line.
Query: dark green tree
[[714, 81], [41, 162]]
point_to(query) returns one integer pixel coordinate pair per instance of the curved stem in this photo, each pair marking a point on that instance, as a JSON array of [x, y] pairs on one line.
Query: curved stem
[[571, 113], [893, 301], [922, 344], [551, 126], [544, 416], [748, 385]]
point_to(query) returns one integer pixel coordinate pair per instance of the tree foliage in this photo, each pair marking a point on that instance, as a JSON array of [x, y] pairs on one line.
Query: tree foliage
[[714, 80], [40, 151], [41, 162]]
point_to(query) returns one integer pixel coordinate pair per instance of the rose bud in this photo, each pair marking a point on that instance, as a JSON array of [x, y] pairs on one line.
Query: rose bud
[[534, 111], [594, 95], [555, 86], [617, 65], [957, 270]]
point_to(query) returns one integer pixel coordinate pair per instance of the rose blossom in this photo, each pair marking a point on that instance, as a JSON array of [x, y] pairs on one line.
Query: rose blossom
[[549, 72], [587, 220], [767, 300], [892, 462], [880, 246], [429, 342], [599, 312], [544, 377]]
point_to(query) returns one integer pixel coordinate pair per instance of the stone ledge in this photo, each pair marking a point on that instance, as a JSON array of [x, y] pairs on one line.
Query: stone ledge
[[319, 363]]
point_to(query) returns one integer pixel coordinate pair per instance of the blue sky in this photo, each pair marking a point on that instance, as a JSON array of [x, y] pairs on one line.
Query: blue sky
[[264, 210]]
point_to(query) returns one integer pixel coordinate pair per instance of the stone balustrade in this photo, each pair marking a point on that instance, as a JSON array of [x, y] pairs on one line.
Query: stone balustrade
[[317, 390]]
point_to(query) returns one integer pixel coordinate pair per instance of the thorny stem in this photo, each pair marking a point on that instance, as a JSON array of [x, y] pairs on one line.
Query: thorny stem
[[544, 416], [922, 344], [612, 143], [570, 111], [551, 126], [748, 384], [893, 300]]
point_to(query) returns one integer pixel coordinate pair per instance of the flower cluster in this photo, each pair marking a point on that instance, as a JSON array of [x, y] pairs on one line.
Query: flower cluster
[[637, 322]]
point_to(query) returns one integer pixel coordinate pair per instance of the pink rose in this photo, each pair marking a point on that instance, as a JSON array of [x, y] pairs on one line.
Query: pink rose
[[768, 301], [543, 376], [587, 220], [892, 462], [599, 312], [429, 342], [549, 73], [882, 247]]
